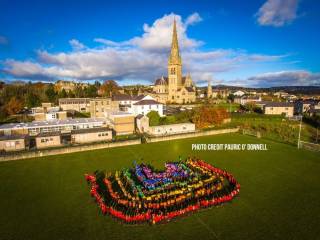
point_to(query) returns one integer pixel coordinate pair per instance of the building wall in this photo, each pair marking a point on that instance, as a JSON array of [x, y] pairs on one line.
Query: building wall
[[145, 109], [123, 125], [12, 145], [288, 111], [75, 104], [99, 107], [142, 124], [91, 137], [172, 129], [49, 141]]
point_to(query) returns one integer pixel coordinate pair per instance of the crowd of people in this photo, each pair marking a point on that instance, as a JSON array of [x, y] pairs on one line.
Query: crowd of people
[[141, 194]]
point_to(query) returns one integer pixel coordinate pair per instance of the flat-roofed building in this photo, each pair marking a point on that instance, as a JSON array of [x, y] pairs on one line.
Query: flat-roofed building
[[47, 140], [99, 107], [91, 135], [121, 122], [172, 129], [64, 126], [13, 143], [75, 104]]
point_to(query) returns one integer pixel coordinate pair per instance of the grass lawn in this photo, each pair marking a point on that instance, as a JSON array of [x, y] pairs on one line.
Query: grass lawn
[[48, 198]]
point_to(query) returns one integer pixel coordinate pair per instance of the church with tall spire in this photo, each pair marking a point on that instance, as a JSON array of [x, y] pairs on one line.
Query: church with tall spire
[[174, 88]]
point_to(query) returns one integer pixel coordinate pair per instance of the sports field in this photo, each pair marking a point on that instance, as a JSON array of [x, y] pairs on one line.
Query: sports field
[[48, 198]]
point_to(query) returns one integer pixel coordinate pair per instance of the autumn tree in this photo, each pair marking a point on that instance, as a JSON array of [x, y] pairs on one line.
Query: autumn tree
[[207, 116], [14, 106], [109, 86]]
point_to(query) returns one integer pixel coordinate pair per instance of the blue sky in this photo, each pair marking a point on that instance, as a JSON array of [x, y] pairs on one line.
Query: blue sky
[[252, 43]]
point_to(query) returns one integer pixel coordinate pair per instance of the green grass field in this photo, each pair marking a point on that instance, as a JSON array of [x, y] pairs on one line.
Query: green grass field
[[48, 198]]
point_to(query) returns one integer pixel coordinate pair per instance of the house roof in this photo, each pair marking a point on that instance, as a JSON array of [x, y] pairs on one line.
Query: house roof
[[276, 104], [139, 116], [121, 97], [147, 102], [90, 130], [125, 97]]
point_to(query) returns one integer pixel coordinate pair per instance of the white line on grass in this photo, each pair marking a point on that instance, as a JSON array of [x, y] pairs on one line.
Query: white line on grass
[[213, 233]]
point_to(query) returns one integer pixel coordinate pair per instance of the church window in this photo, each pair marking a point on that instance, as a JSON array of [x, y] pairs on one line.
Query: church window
[[173, 71]]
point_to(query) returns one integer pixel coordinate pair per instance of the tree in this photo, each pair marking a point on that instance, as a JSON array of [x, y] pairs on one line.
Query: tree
[[207, 116], [62, 94], [50, 93], [231, 97], [91, 91], [109, 86], [154, 118], [14, 105], [32, 100]]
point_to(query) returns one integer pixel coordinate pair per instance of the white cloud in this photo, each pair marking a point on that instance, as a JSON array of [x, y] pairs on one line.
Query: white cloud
[[277, 12], [193, 18], [140, 59], [76, 45], [158, 36], [286, 78]]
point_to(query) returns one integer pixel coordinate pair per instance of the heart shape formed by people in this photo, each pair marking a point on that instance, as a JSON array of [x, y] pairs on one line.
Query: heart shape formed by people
[[142, 194]]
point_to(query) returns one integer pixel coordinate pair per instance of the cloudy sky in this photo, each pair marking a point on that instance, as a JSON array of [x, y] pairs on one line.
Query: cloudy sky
[[257, 43]]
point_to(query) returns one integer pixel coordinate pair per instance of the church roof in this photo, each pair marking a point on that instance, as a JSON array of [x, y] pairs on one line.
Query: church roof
[[189, 89], [161, 81]]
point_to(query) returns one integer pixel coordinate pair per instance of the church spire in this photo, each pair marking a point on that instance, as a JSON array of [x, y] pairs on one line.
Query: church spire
[[174, 54]]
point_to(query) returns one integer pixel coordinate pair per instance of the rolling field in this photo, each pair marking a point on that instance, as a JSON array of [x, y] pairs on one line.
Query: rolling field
[[48, 198]]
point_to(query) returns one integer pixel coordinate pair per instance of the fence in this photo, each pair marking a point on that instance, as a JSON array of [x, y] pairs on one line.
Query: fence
[[48, 152], [191, 135]]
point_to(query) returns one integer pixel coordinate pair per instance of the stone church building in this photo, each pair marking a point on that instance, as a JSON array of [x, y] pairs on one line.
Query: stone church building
[[175, 88]]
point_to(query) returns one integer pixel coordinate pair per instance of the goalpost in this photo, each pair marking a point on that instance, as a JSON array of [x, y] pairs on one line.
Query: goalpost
[[251, 132], [309, 146]]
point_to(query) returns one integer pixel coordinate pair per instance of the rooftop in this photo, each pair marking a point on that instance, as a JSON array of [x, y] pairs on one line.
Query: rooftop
[[54, 122], [147, 102], [276, 104]]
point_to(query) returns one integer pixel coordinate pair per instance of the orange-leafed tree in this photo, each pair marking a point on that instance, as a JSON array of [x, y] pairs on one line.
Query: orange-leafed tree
[[108, 88], [207, 116], [14, 105]]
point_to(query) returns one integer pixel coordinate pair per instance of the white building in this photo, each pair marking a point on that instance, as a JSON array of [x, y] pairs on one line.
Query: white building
[[239, 93], [171, 129], [139, 104], [247, 99]]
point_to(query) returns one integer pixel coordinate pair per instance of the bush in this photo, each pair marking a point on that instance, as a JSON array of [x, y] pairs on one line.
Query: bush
[[154, 118]]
